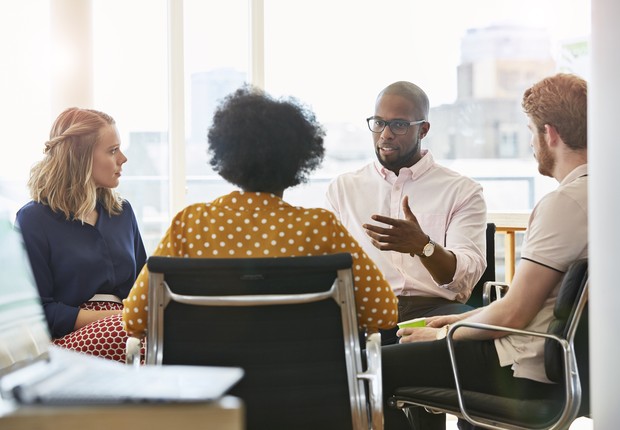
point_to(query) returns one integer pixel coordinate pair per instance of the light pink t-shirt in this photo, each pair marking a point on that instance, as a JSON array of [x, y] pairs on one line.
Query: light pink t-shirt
[[449, 207], [556, 236]]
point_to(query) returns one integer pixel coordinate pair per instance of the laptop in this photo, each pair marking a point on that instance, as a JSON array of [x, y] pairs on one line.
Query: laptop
[[34, 371]]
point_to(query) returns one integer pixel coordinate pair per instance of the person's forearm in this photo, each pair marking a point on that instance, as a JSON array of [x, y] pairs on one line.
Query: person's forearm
[[442, 320], [493, 314], [441, 265], [530, 288], [86, 317]]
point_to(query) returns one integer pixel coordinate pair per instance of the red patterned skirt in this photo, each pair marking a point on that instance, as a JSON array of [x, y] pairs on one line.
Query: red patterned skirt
[[105, 337]]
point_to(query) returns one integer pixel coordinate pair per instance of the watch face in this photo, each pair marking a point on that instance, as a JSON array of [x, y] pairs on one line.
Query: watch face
[[428, 250]]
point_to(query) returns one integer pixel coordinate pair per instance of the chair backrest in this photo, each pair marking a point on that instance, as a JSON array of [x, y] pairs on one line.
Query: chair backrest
[[289, 322], [570, 321], [475, 300]]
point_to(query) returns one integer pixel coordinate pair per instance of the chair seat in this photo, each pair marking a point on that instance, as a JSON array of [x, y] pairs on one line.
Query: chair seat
[[530, 413]]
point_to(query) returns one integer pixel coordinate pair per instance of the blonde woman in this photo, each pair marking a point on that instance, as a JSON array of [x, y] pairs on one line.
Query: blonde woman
[[82, 238]]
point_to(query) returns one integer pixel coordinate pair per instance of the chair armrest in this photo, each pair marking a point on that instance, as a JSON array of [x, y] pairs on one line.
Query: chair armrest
[[132, 351], [572, 386], [373, 376], [499, 288]]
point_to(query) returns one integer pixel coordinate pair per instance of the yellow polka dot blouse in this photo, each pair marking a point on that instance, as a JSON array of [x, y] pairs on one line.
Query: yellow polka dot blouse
[[247, 225]]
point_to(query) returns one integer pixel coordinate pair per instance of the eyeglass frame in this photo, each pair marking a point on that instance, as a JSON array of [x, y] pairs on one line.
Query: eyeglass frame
[[389, 124]]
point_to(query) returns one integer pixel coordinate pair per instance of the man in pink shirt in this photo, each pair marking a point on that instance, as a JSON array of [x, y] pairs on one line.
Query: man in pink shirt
[[423, 224]]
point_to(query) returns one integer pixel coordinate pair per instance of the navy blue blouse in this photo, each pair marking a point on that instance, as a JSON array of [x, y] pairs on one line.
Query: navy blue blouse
[[72, 261]]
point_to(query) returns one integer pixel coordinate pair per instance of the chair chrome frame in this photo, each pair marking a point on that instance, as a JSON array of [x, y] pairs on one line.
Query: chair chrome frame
[[366, 410], [493, 290], [572, 384]]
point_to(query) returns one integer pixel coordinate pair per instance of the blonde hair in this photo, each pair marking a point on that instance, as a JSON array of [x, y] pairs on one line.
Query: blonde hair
[[63, 178]]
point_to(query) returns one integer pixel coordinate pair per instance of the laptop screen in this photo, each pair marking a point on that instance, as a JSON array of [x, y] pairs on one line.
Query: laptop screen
[[24, 334]]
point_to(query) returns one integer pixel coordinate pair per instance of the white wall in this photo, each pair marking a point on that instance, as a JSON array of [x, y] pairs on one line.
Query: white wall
[[604, 204]]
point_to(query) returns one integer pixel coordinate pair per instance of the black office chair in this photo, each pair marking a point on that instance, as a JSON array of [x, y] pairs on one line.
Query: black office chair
[[481, 296], [290, 323], [566, 363]]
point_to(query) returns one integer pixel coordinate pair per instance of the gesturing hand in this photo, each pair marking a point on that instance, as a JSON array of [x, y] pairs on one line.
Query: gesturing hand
[[402, 235]]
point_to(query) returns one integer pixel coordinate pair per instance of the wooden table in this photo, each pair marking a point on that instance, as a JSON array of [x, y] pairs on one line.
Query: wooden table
[[508, 224], [224, 414]]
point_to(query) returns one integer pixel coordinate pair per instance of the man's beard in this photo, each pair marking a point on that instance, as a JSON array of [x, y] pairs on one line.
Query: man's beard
[[546, 162], [405, 160]]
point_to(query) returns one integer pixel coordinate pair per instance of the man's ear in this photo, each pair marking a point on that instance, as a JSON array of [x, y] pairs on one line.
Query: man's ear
[[424, 129], [551, 135]]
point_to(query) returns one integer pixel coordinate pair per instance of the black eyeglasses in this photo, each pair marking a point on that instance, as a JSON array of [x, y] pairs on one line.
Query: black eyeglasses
[[397, 126]]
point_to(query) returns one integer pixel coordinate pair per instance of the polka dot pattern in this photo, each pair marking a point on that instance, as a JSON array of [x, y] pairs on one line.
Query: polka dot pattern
[[104, 338], [248, 225]]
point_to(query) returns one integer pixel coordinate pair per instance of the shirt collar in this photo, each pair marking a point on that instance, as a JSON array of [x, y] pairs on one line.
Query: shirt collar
[[577, 172], [61, 216], [252, 201], [418, 169]]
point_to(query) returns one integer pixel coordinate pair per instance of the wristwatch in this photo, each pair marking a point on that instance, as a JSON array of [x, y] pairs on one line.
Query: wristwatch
[[428, 249], [443, 332]]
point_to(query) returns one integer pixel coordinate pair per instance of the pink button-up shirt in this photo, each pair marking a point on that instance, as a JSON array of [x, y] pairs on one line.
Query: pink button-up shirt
[[449, 207]]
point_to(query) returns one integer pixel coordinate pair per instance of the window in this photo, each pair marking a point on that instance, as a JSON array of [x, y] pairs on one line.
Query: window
[[473, 62], [216, 64], [25, 89], [131, 84]]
